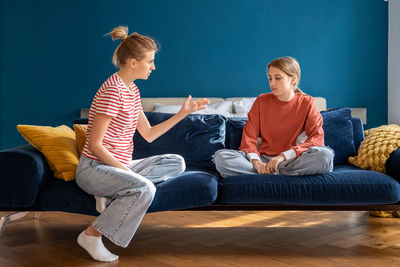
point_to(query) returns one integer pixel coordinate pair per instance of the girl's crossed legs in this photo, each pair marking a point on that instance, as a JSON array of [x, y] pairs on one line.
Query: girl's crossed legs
[[316, 160]]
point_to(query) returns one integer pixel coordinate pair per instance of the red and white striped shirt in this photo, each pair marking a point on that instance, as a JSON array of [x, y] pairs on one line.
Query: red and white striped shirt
[[123, 105]]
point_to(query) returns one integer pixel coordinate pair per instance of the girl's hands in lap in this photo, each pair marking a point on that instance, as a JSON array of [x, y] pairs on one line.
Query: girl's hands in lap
[[270, 167], [260, 166], [273, 163]]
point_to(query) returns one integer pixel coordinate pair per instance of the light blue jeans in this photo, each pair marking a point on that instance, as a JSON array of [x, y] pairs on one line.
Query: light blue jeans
[[130, 193], [315, 160]]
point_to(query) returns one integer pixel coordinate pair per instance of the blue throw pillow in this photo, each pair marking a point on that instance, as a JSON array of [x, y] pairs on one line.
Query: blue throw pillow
[[339, 135], [196, 138], [234, 130]]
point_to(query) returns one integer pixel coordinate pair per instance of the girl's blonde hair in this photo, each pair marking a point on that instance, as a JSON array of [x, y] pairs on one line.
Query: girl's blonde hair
[[132, 46], [290, 66]]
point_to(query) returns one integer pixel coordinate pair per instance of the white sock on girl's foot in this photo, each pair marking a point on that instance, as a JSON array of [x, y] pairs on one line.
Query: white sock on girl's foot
[[101, 203], [94, 246]]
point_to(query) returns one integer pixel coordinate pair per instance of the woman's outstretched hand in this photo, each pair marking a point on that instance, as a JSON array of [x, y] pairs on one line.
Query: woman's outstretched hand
[[192, 106]]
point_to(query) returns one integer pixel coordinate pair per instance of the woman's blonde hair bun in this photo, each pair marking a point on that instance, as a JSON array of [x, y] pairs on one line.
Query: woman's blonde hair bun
[[120, 32]]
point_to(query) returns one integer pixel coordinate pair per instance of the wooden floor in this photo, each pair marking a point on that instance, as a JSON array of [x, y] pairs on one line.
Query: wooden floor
[[213, 238]]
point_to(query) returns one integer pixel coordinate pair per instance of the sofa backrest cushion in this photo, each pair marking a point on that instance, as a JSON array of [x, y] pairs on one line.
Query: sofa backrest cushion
[[234, 129], [358, 131], [338, 128], [196, 138], [339, 135]]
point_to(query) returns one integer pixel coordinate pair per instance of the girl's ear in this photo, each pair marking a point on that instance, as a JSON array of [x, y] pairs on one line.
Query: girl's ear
[[294, 79]]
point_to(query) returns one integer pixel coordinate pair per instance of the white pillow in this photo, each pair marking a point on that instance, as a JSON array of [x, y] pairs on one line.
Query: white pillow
[[243, 105], [216, 108], [163, 108], [235, 115], [224, 107]]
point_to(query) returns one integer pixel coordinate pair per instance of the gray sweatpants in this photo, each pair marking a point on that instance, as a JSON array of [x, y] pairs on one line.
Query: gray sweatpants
[[315, 160], [131, 193]]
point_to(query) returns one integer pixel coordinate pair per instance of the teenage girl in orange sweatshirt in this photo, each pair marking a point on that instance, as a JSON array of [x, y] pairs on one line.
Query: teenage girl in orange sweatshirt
[[289, 125]]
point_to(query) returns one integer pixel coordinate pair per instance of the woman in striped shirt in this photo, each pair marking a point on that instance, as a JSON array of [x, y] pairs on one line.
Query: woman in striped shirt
[[106, 169]]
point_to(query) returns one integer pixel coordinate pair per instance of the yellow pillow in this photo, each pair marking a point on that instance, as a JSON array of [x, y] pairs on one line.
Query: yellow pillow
[[57, 144], [375, 149], [373, 153], [80, 135]]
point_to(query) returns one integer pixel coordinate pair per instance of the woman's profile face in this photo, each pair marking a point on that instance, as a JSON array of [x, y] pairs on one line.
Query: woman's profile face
[[279, 82], [145, 66]]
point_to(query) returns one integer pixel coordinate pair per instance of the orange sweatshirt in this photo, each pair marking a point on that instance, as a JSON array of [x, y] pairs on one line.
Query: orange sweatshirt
[[279, 124]]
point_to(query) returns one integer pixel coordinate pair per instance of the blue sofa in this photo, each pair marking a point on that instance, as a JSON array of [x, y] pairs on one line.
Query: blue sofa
[[26, 182]]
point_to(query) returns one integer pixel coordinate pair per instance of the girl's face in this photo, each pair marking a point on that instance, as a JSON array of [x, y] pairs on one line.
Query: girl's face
[[144, 67], [280, 83]]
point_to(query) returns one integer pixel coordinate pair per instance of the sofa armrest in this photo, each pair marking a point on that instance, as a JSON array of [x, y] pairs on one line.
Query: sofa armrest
[[393, 165], [23, 171]]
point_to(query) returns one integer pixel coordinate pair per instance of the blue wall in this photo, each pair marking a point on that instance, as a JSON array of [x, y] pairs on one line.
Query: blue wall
[[54, 56]]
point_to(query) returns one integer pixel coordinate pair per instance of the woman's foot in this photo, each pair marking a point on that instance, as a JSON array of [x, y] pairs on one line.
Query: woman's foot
[[94, 246], [101, 203]]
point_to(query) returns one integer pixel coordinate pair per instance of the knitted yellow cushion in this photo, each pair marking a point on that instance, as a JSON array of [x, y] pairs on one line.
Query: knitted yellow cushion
[[373, 152], [385, 214], [375, 149]]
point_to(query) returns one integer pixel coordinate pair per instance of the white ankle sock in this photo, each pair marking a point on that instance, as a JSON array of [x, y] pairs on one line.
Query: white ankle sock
[[94, 246], [101, 203]]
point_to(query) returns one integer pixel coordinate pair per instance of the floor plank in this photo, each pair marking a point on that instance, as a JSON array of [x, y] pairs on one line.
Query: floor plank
[[213, 238]]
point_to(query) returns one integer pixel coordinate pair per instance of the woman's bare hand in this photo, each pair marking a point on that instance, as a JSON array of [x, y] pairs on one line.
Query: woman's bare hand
[[192, 106]]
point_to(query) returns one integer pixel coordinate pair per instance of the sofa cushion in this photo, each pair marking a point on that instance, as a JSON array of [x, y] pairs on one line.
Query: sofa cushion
[[345, 185], [234, 130], [358, 131], [57, 144], [339, 135], [189, 190], [393, 166], [196, 138], [80, 136], [23, 171], [376, 148], [58, 195]]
